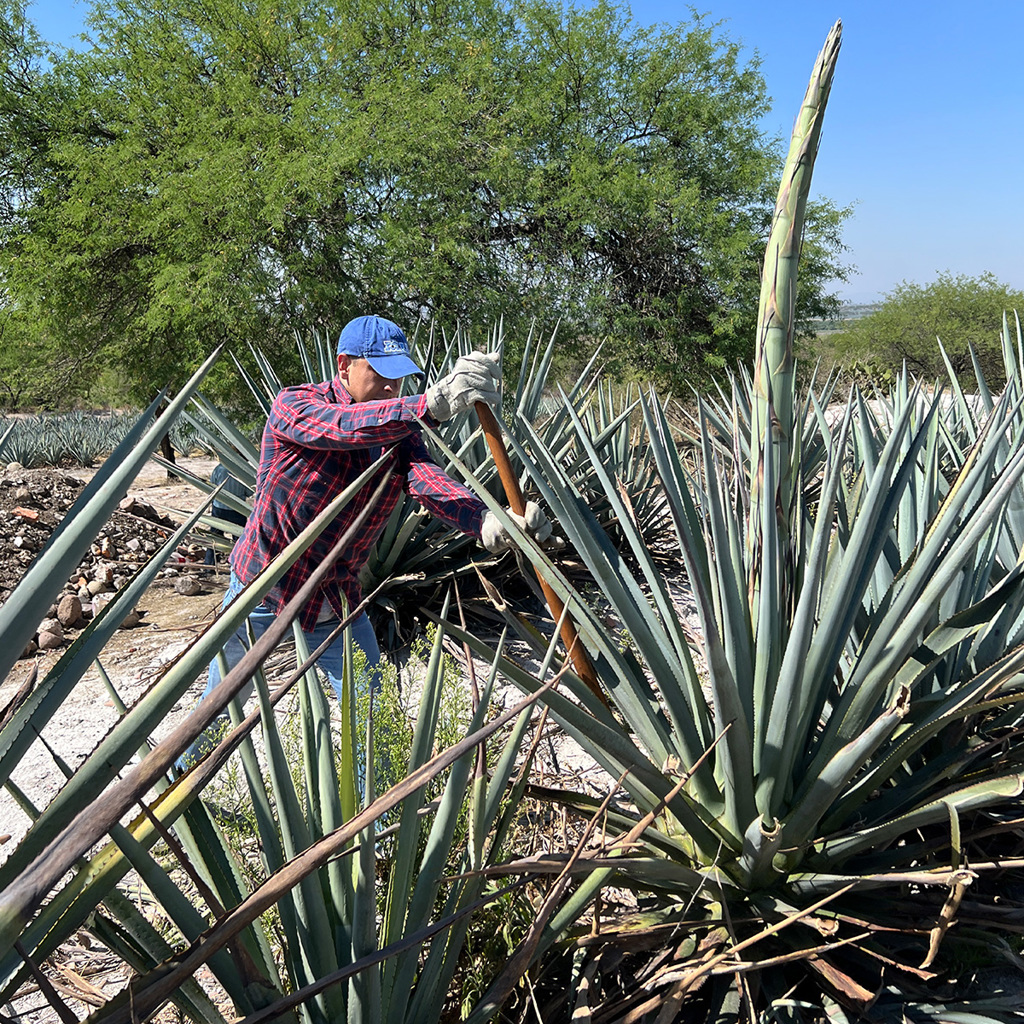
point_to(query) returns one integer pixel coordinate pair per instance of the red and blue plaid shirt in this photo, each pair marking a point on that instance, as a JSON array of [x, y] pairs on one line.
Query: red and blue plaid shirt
[[316, 441]]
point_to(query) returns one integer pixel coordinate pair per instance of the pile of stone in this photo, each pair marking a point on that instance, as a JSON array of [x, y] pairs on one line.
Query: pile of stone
[[33, 503], [81, 600], [84, 599]]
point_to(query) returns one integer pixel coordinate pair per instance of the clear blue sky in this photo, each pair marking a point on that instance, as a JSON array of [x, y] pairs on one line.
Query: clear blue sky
[[924, 131]]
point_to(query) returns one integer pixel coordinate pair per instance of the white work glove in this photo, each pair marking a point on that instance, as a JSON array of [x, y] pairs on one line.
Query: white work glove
[[496, 538], [474, 379]]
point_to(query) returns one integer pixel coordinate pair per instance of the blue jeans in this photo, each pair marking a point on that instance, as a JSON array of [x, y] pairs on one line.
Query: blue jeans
[[331, 662]]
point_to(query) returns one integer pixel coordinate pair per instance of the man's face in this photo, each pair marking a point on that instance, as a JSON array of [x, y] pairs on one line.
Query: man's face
[[363, 382]]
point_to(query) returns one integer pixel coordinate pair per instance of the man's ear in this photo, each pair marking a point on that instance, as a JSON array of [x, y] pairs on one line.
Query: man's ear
[[344, 361]]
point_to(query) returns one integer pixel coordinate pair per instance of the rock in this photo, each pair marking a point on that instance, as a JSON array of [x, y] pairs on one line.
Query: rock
[[98, 587], [13, 467], [30, 648], [69, 611], [133, 544], [51, 635], [131, 620], [187, 586], [141, 509]]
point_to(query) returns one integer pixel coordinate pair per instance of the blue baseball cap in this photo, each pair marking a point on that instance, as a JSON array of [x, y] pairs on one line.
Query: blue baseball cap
[[381, 343]]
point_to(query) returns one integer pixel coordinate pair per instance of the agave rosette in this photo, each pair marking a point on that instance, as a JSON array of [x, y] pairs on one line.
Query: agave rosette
[[824, 748], [845, 732], [316, 862]]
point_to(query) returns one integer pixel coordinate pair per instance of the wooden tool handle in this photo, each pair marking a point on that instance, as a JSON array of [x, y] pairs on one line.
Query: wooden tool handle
[[570, 637], [499, 453]]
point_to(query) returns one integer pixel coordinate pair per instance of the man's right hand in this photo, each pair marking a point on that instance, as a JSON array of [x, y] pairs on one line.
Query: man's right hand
[[474, 379], [497, 539]]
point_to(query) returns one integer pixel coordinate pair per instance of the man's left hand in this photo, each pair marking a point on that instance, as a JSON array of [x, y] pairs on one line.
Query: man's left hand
[[474, 378]]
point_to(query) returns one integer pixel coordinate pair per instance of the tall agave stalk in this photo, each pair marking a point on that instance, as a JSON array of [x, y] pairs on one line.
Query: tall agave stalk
[[774, 380]]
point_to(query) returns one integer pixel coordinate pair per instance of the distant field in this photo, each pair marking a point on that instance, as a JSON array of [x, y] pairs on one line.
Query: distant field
[[848, 313]]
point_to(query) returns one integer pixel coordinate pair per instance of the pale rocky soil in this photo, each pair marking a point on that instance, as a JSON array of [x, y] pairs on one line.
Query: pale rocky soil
[[168, 620]]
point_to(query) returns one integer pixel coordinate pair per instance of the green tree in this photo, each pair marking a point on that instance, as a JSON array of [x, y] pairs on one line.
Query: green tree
[[962, 312], [242, 170]]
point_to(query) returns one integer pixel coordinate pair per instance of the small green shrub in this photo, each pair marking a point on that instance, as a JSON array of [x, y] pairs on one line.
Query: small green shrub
[[964, 313]]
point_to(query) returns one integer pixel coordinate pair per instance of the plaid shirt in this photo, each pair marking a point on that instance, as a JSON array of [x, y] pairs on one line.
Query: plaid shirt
[[317, 440]]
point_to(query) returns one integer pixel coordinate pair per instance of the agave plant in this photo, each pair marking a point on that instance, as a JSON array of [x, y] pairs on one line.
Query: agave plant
[[972, 412], [318, 872], [963, 421], [6, 433], [74, 438], [809, 789], [330, 957]]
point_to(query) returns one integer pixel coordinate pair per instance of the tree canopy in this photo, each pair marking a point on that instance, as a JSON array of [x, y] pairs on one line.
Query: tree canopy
[[962, 312], [238, 170]]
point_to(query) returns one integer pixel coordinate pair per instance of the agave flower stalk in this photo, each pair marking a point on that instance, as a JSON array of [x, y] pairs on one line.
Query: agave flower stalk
[[774, 381]]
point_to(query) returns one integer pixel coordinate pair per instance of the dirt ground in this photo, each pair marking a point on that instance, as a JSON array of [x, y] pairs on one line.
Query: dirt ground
[[168, 618]]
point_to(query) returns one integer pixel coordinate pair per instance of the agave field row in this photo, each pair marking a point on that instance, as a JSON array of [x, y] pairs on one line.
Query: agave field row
[[77, 438]]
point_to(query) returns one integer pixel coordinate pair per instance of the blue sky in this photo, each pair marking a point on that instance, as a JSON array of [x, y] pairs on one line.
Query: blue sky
[[924, 131]]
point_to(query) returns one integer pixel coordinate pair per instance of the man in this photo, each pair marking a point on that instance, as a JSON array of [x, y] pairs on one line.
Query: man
[[320, 437]]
